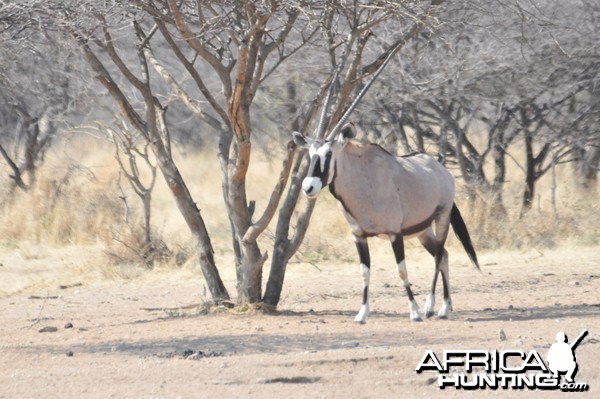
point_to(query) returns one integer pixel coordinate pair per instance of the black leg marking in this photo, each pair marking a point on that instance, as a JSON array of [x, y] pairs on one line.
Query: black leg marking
[[365, 268], [398, 247], [363, 251]]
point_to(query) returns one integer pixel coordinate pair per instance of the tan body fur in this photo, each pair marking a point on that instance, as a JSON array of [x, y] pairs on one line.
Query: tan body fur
[[377, 190]]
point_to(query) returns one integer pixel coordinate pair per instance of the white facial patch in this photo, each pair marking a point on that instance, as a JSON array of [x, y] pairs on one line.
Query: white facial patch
[[311, 186]]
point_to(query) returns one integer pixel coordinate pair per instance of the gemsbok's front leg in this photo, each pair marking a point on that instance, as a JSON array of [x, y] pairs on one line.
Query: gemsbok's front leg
[[365, 270], [398, 246]]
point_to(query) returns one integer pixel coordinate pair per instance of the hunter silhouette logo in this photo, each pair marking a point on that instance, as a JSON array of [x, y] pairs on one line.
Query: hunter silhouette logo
[[508, 369], [561, 356]]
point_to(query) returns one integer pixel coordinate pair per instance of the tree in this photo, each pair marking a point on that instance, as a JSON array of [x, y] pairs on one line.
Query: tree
[[241, 45], [38, 95], [496, 76]]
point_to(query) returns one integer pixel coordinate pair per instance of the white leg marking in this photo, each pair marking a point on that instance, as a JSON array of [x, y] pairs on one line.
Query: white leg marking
[[445, 309], [413, 307], [361, 317], [403, 273], [429, 305], [414, 311]]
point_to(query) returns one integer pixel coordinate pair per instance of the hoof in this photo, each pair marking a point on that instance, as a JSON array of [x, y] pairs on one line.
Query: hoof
[[416, 319], [443, 317], [429, 313], [360, 321]]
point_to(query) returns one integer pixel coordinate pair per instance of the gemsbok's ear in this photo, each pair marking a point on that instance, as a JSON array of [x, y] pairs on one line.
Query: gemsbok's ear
[[300, 140], [348, 132]]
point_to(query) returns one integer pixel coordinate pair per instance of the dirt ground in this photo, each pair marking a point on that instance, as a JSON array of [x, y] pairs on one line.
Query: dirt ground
[[148, 337]]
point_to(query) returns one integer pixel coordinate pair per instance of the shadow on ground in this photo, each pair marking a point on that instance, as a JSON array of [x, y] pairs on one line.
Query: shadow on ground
[[533, 313], [355, 337]]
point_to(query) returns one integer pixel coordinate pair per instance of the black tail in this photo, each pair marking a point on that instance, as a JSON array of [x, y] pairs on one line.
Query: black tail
[[458, 224]]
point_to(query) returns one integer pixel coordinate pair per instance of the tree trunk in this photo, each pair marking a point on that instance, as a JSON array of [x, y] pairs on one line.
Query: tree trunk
[[529, 191], [282, 248], [192, 217], [250, 286], [147, 202], [588, 166], [497, 208], [154, 130]]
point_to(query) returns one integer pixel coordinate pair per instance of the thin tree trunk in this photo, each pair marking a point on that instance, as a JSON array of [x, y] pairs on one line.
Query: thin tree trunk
[[497, 206], [281, 251], [192, 217], [154, 130], [529, 191]]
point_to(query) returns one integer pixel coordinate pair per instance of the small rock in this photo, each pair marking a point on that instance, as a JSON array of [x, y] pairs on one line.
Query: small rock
[[510, 307], [48, 329], [501, 335], [228, 304], [69, 354], [69, 325], [431, 380], [574, 283]]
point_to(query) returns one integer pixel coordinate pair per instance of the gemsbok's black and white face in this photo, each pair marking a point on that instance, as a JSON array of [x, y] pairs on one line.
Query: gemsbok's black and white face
[[321, 170]]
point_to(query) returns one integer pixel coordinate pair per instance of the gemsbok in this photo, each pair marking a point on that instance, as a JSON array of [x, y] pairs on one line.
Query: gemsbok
[[392, 197], [386, 196]]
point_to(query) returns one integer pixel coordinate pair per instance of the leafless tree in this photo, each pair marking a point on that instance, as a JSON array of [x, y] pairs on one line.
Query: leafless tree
[[129, 152], [36, 93], [513, 73]]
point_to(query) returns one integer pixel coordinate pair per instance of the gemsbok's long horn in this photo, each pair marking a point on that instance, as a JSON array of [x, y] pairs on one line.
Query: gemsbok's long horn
[[326, 103], [363, 91]]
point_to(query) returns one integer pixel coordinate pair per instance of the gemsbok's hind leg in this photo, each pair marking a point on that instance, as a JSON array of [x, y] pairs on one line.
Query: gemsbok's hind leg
[[427, 239], [365, 269], [447, 305], [398, 247], [442, 225]]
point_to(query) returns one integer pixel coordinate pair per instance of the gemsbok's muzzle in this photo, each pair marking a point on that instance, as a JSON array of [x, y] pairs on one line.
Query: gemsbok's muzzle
[[311, 186]]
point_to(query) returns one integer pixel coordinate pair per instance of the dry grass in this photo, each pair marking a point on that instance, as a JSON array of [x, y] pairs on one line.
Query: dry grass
[[73, 208], [76, 202]]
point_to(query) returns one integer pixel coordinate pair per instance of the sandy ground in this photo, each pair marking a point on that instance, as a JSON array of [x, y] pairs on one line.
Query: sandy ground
[[147, 337]]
